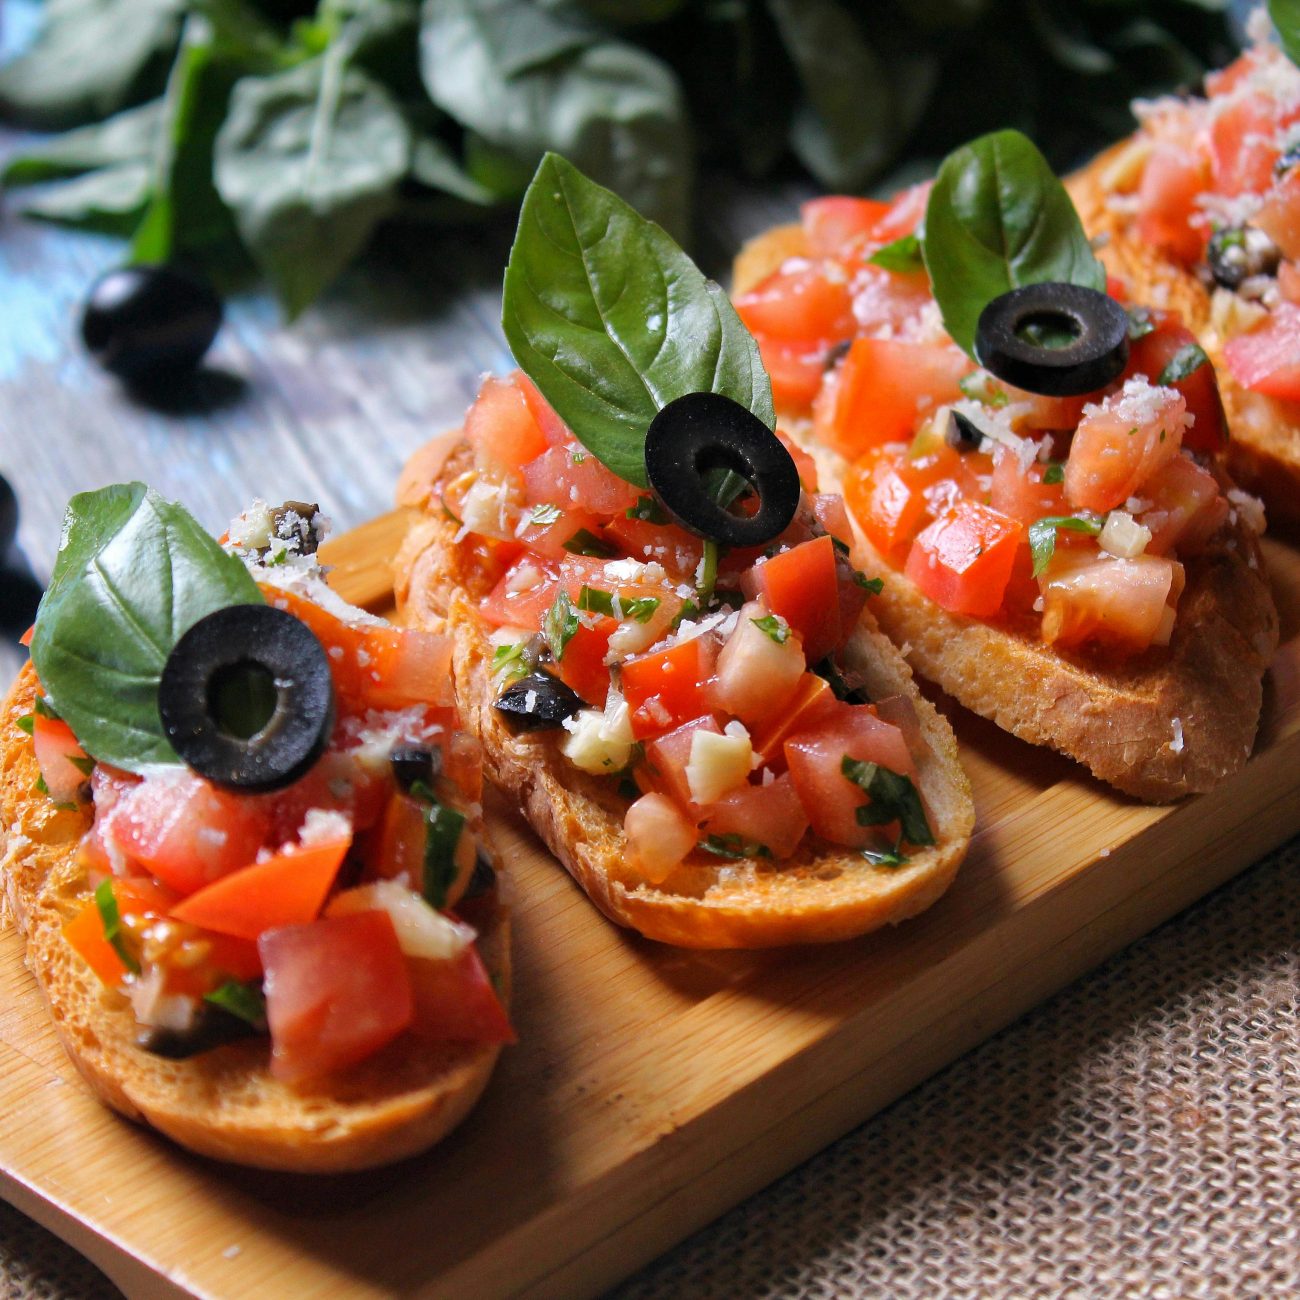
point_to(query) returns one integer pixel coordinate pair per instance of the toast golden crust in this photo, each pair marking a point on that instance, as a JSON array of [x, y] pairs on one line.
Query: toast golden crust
[[223, 1103], [1118, 720], [820, 895]]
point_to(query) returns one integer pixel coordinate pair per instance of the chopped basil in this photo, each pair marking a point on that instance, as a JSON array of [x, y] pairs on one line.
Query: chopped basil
[[111, 919], [84, 764], [545, 515], [577, 456], [1042, 536], [873, 585], [27, 723], [559, 623], [1054, 473], [443, 828], [893, 798], [979, 387], [510, 661], [1140, 323], [1186, 361], [689, 610], [903, 255], [40, 787], [774, 628], [735, 847], [244, 1001], [640, 608], [647, 508], [587, 543], [42, 706], [886, 857]]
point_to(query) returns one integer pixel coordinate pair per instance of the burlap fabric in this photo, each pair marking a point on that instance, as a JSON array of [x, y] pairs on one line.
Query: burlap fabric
[[1136, 1136]]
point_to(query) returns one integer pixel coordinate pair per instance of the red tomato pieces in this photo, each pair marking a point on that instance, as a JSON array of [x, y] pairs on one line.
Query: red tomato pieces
[[802, 586], [963, 560], [337, 991], [667, 756], [1207, 430], [456, 1002], [1268, 359], [1120, 605], [667, 688], [1168, 218], [771, 815], [501, 428], [831, 223], [802, 303], [65, 766]]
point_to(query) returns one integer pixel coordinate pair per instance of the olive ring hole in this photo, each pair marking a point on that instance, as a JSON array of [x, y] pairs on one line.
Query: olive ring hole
[[1049, 329], [242, 698]]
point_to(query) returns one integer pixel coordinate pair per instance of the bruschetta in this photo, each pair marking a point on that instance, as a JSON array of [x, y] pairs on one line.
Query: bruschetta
[[236, 815], [1077, 566], [1200, 210], [691, 702]]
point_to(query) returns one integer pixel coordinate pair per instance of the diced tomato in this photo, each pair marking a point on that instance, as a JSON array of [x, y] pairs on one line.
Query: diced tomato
[[1172, 180], [339, 782], [1288, 282], [455, 1001], [963, 560], [1038, 411], [1121, 443], [553, 537], [796, 370], [1223, 81], [888, 299], [667, 756], [137, 896], [828, 509], [678, 551], [65, 766], [186, 831], [1279, 217], [815, 758], [889, 493], [396, 850], [757, 674], [1120, 605], [337, 991], [667, 688], [207, 960], [905, 212], [569, 475], [831, 223], [1208, 429], [1022, 494], [524, 593], [659, 836], [803, 302], [771, 815], [462, 763], [289, 888], [501, 428], [1267, 360], [884, 389], [554, 430], [26, 638], [1186, 507], [811, 701], [582, 665], [1243, 146], [404, 666], [802, 586]]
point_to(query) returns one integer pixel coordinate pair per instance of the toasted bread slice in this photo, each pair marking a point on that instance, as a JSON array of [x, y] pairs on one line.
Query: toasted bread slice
[[223, 1103], [823, 893], [1264, 454], [1159, 726]]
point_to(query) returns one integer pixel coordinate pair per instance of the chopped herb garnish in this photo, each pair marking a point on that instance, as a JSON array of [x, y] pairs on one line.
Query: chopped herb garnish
[[903, 255], [85, 764], [510, 661], [577, 456], [873, 585], [887, 857], [1042, 536], [584, 542], [1140, 323], [689, 610], [893, 798], [647, 508], [243, 1001], [111, 919], [1186, 361], [708, 574], [41, 787], [559, 624], [639, 608], [1054, 473], [544, 515], [773, 627], [443, 827], [27, 723], [979, 387], [735, 847], [628, 788], [42, 706]]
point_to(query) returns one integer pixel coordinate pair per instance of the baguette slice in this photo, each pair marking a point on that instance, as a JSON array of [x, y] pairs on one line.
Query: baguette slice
[[821, 894], [1159, 726], [1264, 454], [223, 1103]]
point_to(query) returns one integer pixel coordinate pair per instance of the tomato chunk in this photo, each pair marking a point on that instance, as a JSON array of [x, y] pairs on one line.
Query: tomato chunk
[[803, 302], [337, 991], [569, 475], [811, 701], [667, 757], [1279, 218], [85, 932], [501, 428], [667, 688], [1121, 605], [795, 369], [1207, 430], [829, 224], [1172, 180], [771, 815], [455, 1001], [659, 836], [963, 560], [1186, 507], [802, 586], [65, 766], [1267, 360], [892, 494]]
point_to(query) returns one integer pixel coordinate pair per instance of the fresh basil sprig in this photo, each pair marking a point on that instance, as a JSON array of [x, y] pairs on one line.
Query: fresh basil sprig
[[998, 218], [612, 320], [893, 798], [1042, 535], [1286, 18], [133, 575]]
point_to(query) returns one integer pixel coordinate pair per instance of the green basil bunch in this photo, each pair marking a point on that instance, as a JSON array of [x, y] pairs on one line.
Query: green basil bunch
[[288, 130]]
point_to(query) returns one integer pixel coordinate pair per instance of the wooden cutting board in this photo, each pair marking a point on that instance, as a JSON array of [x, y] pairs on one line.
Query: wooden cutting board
[[652, 1087]]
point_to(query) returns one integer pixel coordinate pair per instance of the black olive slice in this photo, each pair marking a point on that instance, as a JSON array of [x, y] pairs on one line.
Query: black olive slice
[[144, 321], [484, 879], [212, 1027], [1238, 253], [1060, 340], [962, 433], [538, 702], [246, 698], [706, 431], [413, 764]]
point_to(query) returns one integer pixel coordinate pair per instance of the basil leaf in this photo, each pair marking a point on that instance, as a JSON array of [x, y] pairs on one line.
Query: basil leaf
[[647, 508], [442, 832], [585, 542], [902, 256], [509, 662], [998, 218], [27, 723], [874, 586], [91, 58], [309, 161], [612, 321], [887, 857], [244, 1001], [134, 573], [108, 202], [733, 847], [1286, 18], [559, 623], [639, 608], [1042, 535], [1140, 323], [1186, 361], [127, 137], [893, 798], [111, 919], [1054, 473], [775, 629]]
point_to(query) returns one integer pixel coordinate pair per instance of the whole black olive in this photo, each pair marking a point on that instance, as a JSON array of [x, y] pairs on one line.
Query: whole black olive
[[537, 702], [8, 516], [143, 321], [1237, 253], [246, 698], [412, 764], [20, 595], [1052, 338], [962, 433], [706, 431]]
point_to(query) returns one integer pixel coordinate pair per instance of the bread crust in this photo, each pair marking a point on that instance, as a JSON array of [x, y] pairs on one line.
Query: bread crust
[[1116, 719], [223, 1103], [820, 895]]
